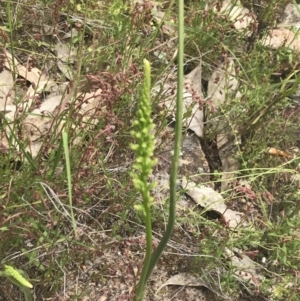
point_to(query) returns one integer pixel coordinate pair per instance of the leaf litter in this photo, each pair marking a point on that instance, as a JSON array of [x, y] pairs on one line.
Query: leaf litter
[[40, 115], [210, 199]]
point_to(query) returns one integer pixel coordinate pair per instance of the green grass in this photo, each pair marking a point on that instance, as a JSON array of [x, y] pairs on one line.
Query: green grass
[[56, 207]]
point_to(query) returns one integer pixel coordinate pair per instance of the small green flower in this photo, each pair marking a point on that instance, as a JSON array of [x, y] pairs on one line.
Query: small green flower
[[145, 142], [143, 166], [15, 274]]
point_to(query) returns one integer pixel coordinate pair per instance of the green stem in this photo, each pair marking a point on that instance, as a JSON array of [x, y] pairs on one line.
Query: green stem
[[142, 282], [178, 135], [27, 294], [69, 179], [10, 24]]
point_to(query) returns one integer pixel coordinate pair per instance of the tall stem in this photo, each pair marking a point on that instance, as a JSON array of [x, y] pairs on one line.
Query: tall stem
[[177, 147]]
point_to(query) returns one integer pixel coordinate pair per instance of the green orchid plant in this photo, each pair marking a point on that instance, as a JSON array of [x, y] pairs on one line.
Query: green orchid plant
[[18, 277], [144, 163], [144, 149]]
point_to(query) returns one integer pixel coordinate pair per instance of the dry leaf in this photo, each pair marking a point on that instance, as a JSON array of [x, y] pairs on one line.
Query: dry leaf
[[241, 16], [193, 84], [6, 87], [90, 102], [209, 199], [291, 16], [65, 52], [41, 81], [7, 112], [39, 122], [66, 55], [49, 105], [222, 86], [195, 121], [184, 279], [245, 268], [192, 98], [167, 27], [45, 86], [230, 163], [71, 34], [282, 37], [276, 152], [222, 82]]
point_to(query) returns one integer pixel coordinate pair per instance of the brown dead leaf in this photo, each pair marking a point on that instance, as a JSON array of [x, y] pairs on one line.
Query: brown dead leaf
[[90, 102], [222, 87], [195, 121], [192, 100], [66, 55], [6, 87], [184, 279], [209, 199], [290, 16], [7, 112], [71, 34], [38, 123], [230, 163], [279, 153], [239, 15], [222, 82], [245, 268], [7, 115], [280, 37], [40, 80]]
